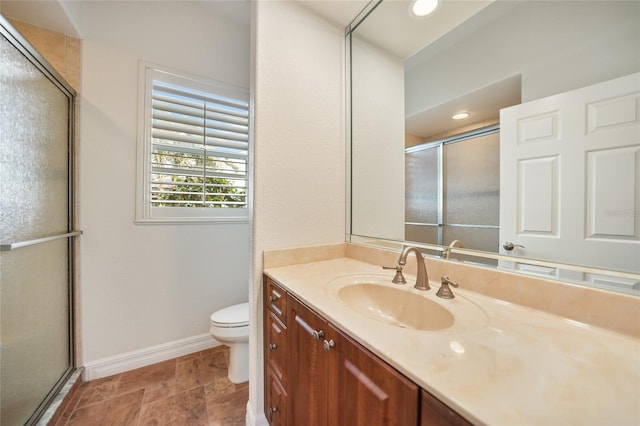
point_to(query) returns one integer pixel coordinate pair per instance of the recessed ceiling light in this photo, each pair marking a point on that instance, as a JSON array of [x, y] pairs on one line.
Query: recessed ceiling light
[[423, 7], [460, 115]]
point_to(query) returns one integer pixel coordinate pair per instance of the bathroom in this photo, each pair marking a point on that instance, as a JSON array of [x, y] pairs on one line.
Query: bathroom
[[130, 296]]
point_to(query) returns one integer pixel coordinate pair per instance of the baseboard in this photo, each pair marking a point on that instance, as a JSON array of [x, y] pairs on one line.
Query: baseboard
[[142, 357], [253, 420]]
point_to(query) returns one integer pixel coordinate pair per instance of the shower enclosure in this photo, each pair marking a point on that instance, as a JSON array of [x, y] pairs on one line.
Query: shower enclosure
[[36, 231], [453, 190]]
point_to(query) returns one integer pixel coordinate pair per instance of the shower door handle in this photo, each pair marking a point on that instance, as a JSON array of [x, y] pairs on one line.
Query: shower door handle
[[13, 246]]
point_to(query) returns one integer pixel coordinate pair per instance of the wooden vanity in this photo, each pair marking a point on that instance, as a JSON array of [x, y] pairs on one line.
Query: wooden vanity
[[315, 374], [327, 362]]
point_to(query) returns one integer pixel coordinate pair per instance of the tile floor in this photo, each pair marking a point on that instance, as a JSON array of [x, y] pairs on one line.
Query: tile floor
[[189, 390]]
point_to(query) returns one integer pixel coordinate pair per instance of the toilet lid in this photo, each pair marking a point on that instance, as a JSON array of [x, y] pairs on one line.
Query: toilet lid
[[232, 316]]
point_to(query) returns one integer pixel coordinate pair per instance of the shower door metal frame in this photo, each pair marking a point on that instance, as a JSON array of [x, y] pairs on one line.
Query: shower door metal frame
[[30, 53]]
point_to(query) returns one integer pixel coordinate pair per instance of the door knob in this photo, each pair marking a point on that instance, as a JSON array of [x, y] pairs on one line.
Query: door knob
[[508, 245]]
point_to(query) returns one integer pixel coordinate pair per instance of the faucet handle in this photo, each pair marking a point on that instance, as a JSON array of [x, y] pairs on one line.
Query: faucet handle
[[398, 278], [445, 280], [444, 291]]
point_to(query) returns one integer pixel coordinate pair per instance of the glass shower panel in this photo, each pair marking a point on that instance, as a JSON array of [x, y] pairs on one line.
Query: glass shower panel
[[421, 234], [472, 181], [34, 199], [421, 186], [35, 326], [33, 152], [485, 239]]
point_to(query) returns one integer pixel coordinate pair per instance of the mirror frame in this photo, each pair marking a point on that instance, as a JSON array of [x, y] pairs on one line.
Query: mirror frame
[[474, 257]]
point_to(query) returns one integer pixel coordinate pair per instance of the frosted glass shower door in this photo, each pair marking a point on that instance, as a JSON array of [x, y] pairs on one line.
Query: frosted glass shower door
[[452, 190], [35, 325]]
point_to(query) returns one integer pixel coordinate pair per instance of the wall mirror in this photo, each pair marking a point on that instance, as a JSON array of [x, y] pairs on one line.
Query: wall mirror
[[529, 74]]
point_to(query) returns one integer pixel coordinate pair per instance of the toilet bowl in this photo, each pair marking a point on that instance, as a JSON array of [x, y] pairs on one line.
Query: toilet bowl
[[230, 326]]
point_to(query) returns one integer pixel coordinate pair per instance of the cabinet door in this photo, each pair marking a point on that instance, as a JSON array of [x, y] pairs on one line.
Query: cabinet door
[[364, 390], [307, 366], [435, 413]]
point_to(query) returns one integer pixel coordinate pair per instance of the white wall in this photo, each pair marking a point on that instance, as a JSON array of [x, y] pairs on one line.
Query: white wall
[[557, 46], [377, 126], [144, 285], [299, 145]]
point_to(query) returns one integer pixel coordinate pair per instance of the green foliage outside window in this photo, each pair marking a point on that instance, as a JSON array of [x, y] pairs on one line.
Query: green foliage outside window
[[176, 187]]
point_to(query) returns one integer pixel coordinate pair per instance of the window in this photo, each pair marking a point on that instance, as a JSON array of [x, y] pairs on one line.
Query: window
[[192, 149]]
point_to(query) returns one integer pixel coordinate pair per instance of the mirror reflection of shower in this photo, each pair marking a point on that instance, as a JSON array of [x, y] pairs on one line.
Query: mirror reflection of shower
[[453, 189]]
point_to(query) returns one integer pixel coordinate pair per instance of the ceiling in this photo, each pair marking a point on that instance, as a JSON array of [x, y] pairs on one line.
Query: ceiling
[[393, 28], [483, 104], [55, 14], [339, 12], [50, 14], [388, 27]]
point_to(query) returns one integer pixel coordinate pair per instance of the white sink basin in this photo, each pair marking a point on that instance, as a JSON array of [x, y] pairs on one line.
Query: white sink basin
[[375, 298], [394, 306]]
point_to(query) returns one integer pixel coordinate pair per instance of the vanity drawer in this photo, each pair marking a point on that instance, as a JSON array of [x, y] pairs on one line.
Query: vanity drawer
[[275, 298], [275, 348], [275, 400]]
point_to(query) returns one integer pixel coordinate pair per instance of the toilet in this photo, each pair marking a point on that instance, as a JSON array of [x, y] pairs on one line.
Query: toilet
[[230, 326]]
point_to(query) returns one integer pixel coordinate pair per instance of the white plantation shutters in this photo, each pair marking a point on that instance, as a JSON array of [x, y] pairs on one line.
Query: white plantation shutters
[[197, 146]]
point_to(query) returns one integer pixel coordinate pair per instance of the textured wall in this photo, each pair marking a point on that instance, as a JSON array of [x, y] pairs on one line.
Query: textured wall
[[299, 189]]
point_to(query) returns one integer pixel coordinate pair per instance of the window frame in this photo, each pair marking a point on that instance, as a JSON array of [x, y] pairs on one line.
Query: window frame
[[145, 213]]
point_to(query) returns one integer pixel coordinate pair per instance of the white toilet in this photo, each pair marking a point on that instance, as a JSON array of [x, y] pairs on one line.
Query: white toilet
[[230, 326]]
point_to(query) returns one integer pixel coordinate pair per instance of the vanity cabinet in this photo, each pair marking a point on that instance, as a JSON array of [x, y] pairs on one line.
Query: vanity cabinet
[[365, 389], [316, 375], [435, 413], [275, 353]]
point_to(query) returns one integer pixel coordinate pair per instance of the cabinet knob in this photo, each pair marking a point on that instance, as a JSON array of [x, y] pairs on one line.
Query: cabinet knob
[[273, 298], [273, 346], [273, 410], [317, 335], [328, 344]]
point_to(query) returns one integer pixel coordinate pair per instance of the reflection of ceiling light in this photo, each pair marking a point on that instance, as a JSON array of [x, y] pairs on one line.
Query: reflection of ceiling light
[[423, 7], [460, 115], [457, 347]]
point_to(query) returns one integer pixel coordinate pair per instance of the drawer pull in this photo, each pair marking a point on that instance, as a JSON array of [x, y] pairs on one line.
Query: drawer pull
[[317, 335], [273, 346], [273, 298]]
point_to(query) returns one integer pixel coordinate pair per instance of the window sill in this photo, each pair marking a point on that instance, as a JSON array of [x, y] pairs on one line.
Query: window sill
[[191, 221]]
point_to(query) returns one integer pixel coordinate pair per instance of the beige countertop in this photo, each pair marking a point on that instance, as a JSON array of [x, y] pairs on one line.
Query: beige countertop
[[500, 363]]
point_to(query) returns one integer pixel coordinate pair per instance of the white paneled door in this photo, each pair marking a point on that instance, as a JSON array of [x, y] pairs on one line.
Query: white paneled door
[[570, 176]]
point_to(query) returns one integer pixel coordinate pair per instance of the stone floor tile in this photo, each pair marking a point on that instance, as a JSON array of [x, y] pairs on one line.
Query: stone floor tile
[[186, 408]]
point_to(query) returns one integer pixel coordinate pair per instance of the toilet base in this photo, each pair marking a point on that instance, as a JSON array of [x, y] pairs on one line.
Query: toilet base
[[239, 362]]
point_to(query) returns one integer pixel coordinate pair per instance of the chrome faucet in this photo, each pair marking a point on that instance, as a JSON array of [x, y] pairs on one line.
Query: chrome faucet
[[422, 280]]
